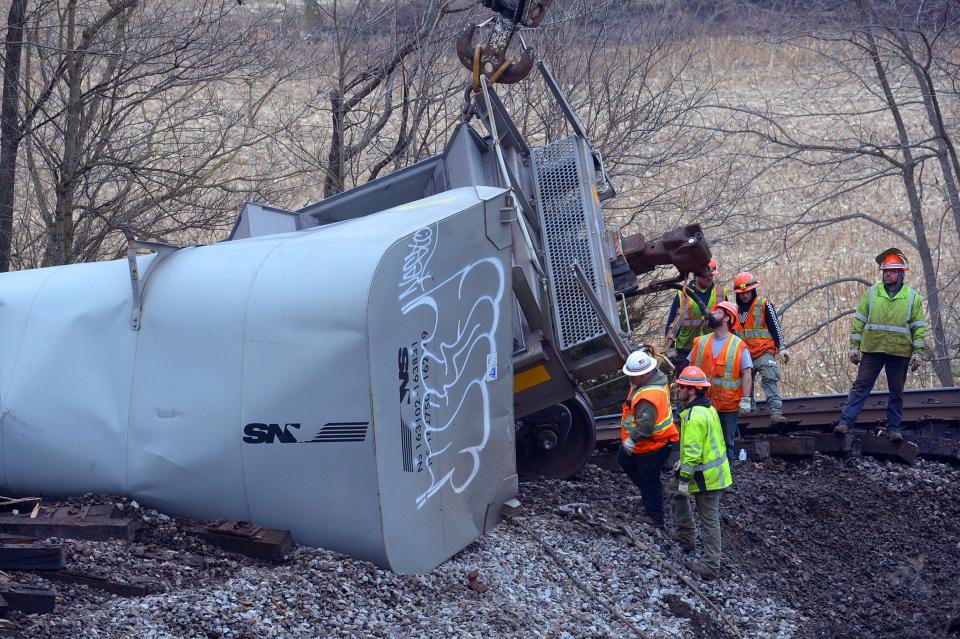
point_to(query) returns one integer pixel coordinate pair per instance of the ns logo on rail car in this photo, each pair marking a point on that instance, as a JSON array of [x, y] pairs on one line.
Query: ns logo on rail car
[[295, 433]]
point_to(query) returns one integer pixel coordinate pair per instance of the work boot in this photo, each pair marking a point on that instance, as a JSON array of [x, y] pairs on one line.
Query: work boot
[[841, 429], [700, 569], [895, 436], [650, 521], [686, 544], [777, 419]]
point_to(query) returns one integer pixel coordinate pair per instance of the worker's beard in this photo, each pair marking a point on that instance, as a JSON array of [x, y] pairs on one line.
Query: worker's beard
[[713, 322]]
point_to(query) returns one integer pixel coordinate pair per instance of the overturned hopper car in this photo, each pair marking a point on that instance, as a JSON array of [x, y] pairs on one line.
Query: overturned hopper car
[[368, 371]]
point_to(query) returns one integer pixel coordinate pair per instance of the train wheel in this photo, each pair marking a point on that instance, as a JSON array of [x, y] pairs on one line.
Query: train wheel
[[556, 443]]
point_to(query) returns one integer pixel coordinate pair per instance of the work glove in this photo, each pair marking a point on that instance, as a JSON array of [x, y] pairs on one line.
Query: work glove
[[785, 356], [915, 362], [684, 486], [672, 354], [628, 445], [855, 357], [744, 406]]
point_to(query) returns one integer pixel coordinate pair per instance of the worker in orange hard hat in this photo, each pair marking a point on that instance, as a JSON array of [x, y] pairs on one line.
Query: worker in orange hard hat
[[889, 332], [702, 471], [763, 336], [686, 320], [726, 360]]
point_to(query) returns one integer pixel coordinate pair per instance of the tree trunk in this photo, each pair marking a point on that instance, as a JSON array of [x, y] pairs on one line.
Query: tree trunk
[[928, 93], [941, 364], [11, 132], [333, 179]]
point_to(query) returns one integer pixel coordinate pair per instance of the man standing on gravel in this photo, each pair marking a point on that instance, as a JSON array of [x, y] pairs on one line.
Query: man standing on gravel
[[725, 359], [889, 332], [646, 432], [702, 471]]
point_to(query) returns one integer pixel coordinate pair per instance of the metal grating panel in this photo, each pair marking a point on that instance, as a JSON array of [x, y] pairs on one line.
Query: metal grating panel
[[567, 238]]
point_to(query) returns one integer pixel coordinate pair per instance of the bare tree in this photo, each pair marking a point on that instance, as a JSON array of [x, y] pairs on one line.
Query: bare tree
[[391, 75], [150, 113], [865, 118], [10, 127]]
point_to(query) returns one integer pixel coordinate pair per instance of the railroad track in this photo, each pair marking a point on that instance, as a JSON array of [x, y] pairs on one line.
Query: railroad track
[[931, 427]]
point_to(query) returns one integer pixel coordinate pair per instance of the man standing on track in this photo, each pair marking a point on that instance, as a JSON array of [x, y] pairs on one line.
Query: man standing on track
[[889, 332]]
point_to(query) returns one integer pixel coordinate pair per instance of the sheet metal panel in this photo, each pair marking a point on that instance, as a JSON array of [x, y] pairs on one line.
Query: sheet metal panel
[[572, 231], [265, 381]]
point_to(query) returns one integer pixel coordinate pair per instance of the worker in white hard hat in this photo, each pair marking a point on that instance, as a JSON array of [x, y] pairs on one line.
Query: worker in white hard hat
[[646, 432]]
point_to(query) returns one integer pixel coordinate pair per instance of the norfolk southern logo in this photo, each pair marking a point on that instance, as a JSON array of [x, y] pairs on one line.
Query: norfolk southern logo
[[295, 433], [403, 364]]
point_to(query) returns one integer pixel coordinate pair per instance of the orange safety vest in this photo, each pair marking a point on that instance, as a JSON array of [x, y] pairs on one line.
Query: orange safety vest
[[724, 371], [755, 333], [664, 431]]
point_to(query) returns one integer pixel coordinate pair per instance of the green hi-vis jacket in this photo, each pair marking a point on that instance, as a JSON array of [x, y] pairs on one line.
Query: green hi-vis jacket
[[892, 325], [703, 454], [691, 319]]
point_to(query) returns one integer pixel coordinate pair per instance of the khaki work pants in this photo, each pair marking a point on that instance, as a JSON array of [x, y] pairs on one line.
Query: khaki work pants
[[708, 509]]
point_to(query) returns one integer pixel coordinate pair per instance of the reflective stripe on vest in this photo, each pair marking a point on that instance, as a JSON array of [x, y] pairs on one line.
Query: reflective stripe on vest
[[718, 458], [758, 320], [907, 327], [628, 420], [728, 380]]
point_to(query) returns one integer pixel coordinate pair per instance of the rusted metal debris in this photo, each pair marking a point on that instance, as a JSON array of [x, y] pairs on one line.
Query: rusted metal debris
[[476, 584], [248, 539], [921, 406], [92, 522]]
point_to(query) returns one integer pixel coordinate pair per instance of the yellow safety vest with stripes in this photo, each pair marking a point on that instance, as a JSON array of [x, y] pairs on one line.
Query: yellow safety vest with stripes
[[895, 326], [703, 453]]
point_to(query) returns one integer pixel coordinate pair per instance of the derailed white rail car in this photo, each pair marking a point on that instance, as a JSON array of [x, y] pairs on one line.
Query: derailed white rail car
[[352, 383]]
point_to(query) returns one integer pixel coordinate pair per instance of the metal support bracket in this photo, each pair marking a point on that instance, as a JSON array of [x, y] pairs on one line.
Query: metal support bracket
[[609, 191], [608, 326], [138, 283]]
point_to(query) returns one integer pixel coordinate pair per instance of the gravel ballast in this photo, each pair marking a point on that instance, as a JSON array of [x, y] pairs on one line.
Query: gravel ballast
[[814, 549]]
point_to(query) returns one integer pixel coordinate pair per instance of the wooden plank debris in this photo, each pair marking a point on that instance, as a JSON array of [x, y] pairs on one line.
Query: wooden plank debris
[[92, 522], [883, 448], [248, 539], [31, 556], [19, 504], [28, 599], [792, 447], [126, 589], [756, 449]]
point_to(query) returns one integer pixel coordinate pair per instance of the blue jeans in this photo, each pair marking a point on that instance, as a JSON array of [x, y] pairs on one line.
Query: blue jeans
[[644, 471], [867, 374], [728, 421]]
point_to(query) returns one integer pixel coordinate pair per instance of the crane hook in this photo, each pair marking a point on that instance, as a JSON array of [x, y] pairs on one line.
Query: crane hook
[[491, 59]]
